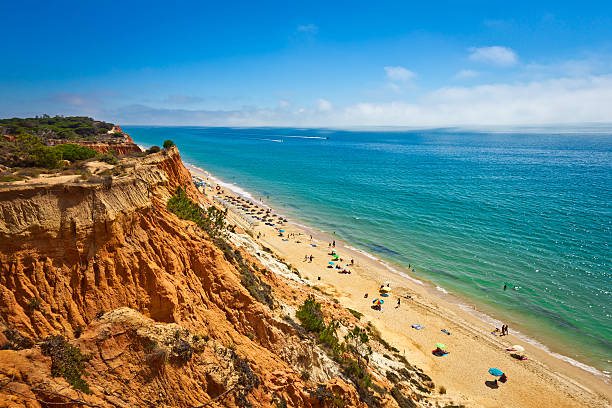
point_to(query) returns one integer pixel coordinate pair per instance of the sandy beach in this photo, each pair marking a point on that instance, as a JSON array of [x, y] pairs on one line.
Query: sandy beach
[[539, 381]]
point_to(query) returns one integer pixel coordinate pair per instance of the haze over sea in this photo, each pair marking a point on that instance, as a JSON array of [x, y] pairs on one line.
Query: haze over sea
[[472, 210]]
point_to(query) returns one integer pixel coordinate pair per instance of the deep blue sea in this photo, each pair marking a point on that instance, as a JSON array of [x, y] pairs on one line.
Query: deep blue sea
[[472, 210]]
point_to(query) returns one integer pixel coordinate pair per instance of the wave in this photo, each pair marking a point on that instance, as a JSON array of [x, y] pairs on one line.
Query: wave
[[273, 140], [308, 137]]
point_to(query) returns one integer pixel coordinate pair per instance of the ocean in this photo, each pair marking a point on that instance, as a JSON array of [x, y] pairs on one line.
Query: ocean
[[472, 210]]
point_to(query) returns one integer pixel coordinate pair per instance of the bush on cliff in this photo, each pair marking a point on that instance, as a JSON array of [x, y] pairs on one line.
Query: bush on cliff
[[66, 361], [74, 152], [168, 144], [352, 354], [212, 220], [110, 157]]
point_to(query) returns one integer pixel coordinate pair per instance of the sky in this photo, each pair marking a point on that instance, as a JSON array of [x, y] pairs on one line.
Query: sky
[[309, 63]]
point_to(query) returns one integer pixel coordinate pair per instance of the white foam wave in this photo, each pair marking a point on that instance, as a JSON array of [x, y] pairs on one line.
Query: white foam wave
[[272, 140], [441, 289], [307, 137]]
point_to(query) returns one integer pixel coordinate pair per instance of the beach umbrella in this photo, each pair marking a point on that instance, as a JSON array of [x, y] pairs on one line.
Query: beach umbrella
[[282, 230], [440, 346], [331, 263], [378, 302], [385, 289], [518, 348], [496, 372]]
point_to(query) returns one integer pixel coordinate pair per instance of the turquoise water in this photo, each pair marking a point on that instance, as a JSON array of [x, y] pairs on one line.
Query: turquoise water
[[471, 210]]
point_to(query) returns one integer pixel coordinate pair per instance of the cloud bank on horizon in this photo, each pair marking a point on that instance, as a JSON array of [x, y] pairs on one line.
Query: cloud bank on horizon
[[418, 67]]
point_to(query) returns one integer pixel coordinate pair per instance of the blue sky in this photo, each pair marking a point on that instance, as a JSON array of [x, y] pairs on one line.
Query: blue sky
[[343, 63]]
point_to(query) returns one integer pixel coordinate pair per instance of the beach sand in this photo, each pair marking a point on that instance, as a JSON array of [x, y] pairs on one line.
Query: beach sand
[[540, 381]]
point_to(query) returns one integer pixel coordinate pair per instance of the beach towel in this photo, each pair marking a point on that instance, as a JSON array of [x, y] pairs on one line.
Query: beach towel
[[445, 331], [417, 326], [285, 240]]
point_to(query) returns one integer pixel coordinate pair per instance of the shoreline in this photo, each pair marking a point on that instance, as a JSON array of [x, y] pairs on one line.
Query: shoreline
[[432, 287], [580, 375]]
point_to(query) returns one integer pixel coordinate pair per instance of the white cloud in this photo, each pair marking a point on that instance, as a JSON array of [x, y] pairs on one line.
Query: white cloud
[[495, 55], [283, 104], [324, 105], [552, 101], [399, 74], [467, 74], [308, 28]]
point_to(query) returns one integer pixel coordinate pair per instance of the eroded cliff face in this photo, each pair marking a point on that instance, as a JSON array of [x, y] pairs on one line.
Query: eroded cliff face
[[159, 309], [122, 145]]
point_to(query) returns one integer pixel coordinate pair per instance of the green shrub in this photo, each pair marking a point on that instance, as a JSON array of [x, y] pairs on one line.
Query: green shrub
[[212, 220], [153, 149], [310, 315], [66, 361], [355, 313], [109, 157], [44, 156], [74, 152], [168, 144]]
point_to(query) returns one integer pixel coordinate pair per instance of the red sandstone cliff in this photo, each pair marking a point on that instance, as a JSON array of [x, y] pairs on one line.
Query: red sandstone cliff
[[159, 308], [122, 145]]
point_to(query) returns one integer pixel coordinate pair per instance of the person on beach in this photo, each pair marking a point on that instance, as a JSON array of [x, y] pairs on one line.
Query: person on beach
[[399, 300], [334, 243], [352, 262]]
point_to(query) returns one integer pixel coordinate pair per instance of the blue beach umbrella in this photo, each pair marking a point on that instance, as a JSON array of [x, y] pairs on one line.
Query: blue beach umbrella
[[331, 263], [496, 372], [282, 230]]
